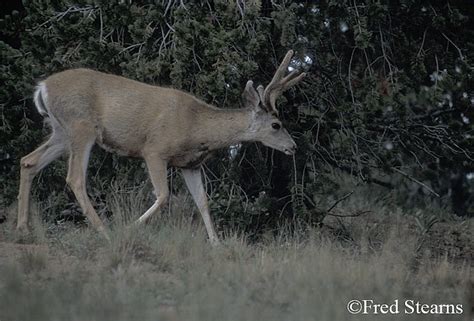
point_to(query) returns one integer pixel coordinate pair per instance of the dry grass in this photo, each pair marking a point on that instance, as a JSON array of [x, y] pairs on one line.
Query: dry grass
[[168, 271]]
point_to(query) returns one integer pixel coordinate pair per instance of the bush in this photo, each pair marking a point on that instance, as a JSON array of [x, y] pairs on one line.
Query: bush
[[388, 97]]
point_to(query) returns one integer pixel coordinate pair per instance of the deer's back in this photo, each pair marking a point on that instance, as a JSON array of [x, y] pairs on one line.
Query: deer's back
[[124, 113]]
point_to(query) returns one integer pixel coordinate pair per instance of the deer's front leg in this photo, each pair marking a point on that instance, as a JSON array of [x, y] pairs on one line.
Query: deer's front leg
[[193, 180], [157, 169]]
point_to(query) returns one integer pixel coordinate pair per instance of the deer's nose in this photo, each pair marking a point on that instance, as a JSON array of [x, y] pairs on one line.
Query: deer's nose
[[291, 150]]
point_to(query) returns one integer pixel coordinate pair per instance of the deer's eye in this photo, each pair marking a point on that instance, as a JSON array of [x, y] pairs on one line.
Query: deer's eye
[[276, 126]]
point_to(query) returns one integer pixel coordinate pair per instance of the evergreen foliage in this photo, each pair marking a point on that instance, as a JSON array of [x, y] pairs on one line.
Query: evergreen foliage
[[388, 97]]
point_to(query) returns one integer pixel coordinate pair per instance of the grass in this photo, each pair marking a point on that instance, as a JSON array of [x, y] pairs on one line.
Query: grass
[[168, 271]]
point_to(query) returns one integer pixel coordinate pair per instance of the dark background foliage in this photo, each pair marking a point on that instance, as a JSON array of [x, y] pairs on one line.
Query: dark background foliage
[[388, 98]]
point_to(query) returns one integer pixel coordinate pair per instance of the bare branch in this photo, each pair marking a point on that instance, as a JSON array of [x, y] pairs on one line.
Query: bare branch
[[416, 181], [350, 215], [451, 42], [340, 200]]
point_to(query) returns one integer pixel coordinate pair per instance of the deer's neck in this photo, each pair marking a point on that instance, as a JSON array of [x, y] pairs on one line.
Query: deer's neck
[[225, 127]]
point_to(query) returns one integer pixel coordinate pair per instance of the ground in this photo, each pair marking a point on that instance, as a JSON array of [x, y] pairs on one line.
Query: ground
[[167, 270]]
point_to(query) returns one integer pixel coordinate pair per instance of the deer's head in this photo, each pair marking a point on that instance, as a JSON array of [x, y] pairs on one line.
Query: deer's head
[[266, 127]]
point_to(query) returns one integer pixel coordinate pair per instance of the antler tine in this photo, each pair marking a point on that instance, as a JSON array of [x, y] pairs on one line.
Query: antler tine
[[293, 80], [261, 92], [282, 68], [280, 84], [249, 85]]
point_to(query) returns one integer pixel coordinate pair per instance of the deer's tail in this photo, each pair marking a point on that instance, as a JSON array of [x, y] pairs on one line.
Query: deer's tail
[[40, 97]]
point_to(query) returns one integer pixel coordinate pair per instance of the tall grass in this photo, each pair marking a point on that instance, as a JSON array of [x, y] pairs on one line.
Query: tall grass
[[167, 270]]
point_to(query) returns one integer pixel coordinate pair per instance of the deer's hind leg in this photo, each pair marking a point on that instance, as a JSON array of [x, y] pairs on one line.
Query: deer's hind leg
[[80, 148], [157, 169], [31, 165]]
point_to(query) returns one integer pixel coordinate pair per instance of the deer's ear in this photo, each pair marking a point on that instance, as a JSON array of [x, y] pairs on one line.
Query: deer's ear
[[250, 96]]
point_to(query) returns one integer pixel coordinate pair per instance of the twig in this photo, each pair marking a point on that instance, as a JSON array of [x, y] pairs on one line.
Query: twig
[[101, 26], [339, 200], [422, 43], [356, 214], [241, 10], [61, 15], [451, 42], [349, 80], [382, 45], [167, 7], [415, 180]]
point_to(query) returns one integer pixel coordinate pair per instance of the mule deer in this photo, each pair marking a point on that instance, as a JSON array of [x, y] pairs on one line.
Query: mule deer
[[164, 126]]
